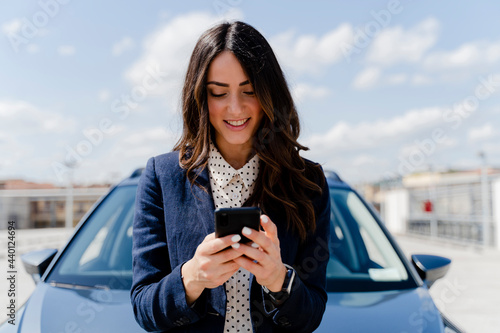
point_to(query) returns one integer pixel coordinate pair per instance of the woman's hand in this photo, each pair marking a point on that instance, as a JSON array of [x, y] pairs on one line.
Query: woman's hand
[[212, 265], [263, 257]]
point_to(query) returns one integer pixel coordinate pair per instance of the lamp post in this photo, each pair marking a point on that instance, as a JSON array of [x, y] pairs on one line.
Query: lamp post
[[485, 199], [69, 196]]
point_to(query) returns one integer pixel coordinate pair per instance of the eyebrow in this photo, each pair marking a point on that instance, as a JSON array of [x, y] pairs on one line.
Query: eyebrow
[[227, 85]]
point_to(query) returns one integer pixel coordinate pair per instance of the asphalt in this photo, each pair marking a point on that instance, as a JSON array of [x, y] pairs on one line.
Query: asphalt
[[469, 294]]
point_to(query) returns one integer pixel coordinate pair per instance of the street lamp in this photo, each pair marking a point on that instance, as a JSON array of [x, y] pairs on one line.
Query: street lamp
[[69, 195], [485, 199]]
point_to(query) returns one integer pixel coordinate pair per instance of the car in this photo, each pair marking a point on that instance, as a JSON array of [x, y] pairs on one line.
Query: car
[[372, 287]]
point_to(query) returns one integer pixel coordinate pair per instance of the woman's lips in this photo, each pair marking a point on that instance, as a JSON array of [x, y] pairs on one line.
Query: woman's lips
[[237, 123]]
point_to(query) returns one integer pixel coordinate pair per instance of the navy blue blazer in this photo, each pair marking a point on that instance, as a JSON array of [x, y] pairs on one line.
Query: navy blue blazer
[[172, 218]]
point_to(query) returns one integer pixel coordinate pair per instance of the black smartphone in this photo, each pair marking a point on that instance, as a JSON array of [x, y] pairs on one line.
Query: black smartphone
[[230, 221]]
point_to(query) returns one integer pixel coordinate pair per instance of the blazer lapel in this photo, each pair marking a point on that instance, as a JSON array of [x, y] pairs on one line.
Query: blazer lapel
[[205, 208], [204, 201]]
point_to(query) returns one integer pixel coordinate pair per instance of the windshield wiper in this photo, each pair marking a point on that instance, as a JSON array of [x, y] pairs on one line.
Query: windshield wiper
[[76, 286]]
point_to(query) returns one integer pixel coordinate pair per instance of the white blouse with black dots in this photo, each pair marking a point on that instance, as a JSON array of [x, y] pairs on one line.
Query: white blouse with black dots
[[231, 188]]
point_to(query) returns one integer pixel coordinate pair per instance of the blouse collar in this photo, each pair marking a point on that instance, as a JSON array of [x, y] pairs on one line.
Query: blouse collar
[[222, 172]]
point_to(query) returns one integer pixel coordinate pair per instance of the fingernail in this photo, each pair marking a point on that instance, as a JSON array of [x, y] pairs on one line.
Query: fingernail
[[236, 238], [255, 245], [247, 231], [265, 219], [235, 245]]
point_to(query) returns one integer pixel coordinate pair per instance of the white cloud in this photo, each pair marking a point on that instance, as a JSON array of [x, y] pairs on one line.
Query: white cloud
[[23, 117], [481, 133], [12, 27], [129, 150], [33, 48], [142, 138], [367, 150], [304, 91], [167, 50], [27, 137], [125, 44], [310, 53], [367, 78], [343, 136], [420, 79], [364, 160], [465, 56], [12, 151], [426, 146], [104, 95], [66, 50], [396, 45], [396, 79]]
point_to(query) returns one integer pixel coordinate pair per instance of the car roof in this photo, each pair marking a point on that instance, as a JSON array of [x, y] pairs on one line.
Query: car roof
[[133, 179], [332, 178]]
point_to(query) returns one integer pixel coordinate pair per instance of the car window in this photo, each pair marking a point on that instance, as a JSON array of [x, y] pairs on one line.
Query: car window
[[101, 252], [361, 256]]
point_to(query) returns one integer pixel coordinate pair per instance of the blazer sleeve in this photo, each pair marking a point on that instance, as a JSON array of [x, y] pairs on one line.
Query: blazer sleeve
[[157, 295], [304, 309]]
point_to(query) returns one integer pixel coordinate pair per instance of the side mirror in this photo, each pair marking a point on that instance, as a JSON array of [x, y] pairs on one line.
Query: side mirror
[[430, 268], [36, 262]]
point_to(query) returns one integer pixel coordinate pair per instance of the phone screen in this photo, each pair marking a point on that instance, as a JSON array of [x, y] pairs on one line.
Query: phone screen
[[229, 221]]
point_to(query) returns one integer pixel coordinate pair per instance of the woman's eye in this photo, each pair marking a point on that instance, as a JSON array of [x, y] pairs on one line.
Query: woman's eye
[[249, 93], [216, 95]]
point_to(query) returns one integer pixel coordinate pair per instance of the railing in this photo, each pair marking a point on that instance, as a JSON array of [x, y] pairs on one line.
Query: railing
[[457, 228]]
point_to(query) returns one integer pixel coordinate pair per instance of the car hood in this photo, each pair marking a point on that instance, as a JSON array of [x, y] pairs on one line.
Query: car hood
[[55, 309], [388, 311]]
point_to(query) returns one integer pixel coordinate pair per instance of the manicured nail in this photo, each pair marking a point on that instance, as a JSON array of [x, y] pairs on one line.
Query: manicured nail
[[264, 219], [236, 238], [247, 231], [255, 245], [235, 245]]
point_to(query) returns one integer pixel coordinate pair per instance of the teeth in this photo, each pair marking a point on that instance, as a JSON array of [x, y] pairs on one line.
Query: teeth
[[237, 123]]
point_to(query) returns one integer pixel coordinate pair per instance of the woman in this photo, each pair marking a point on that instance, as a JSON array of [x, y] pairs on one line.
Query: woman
[[238, 148]]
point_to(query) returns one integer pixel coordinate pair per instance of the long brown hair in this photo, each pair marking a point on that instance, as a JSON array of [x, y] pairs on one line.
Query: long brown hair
[[285, 179]]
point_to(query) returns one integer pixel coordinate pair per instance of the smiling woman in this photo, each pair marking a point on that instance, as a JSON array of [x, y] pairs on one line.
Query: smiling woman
[[238, 148], [234, 111]]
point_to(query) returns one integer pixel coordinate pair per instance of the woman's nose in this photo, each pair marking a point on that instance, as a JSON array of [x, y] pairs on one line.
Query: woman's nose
[[235, 104]]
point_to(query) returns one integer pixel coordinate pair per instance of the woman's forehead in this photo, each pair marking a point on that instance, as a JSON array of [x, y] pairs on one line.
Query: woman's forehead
[[225, 68]]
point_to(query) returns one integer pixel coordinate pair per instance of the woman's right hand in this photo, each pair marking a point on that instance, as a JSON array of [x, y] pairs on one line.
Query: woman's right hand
[[211, 265]]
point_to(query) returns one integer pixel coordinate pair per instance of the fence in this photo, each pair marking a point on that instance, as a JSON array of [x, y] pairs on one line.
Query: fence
[[456, 228], [453, 212], [465, 212]]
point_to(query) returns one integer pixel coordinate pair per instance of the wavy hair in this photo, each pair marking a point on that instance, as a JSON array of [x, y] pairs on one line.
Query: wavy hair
[[285, 179]]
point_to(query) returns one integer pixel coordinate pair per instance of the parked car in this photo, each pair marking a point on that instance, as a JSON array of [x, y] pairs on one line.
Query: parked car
[[372, 287]]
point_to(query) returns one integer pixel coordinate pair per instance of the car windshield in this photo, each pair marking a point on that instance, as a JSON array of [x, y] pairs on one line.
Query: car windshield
[[361, 256], [100, 255]]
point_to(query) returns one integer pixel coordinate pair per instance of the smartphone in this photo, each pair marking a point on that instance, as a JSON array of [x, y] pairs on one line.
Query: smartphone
[[230, 221]]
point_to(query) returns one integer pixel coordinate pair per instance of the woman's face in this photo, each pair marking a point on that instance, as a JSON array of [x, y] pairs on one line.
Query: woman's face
[[234, 110]]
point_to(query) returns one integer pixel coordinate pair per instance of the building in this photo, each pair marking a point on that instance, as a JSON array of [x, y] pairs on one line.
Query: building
[[35, 205], [457, 205]]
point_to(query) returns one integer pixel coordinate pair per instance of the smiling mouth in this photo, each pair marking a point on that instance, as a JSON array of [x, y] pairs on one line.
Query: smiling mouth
[[237, 122]]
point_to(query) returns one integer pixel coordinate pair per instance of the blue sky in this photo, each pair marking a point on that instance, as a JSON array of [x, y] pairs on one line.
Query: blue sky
[[383, 88]]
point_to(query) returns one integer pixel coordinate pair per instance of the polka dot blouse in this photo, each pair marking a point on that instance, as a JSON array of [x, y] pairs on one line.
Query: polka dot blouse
[[231, 188]]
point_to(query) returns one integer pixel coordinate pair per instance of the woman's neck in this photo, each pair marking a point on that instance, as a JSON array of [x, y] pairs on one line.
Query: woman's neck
[[236, 156]]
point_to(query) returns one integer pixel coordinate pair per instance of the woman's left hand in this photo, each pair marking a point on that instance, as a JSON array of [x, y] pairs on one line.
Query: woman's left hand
[[263, 256]]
